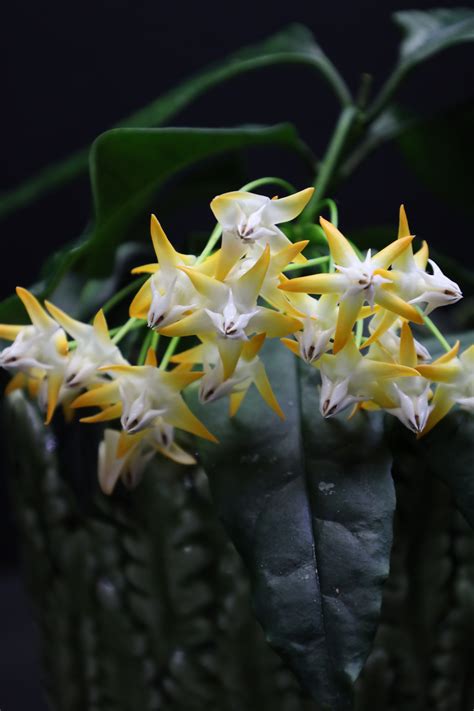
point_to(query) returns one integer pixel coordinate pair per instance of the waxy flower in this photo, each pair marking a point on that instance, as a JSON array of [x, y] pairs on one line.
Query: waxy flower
[[231, 312], [319, 324], [130, 461], [217, 382], [249, 223], [167, 295], [38, 351], [357, 281], [455, 376], [411, 396], [348, 378], [144, 397], [93, 349]]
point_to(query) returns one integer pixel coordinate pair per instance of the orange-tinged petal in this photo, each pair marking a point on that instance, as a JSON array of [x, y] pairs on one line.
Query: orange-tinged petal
[[141, 301], [146, 269], [407, 347], [98, 397], [388, 254], [37, 314], [316, 284], [176, 454], [211, 288], [100, 325], [287, 255], [442, 404], [9, 332], [446, 357], [192, 355], [195, 323], [274, 324], [109, 413], [76, 329], [389, 300], [151, 358], [179, 378], [387, 321], [253, 346], [440, 373], [230, 351], [403, 229], [127, 442], [265, 389], [180, 416], [164, 250], [421, 257], [292, 345], [55, 381], [235, 401], [16, 383], [247, 288], [349, 310], [287, 208], [342, 251]]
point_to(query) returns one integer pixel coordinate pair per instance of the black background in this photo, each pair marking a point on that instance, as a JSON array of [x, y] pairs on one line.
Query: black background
[[71, 70]]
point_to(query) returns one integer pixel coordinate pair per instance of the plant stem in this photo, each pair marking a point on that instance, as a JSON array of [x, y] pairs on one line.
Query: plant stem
[[169, 352], [116, 298], [330, 160], [306, 265], [127, 326], [144, 348], [333, 211], [434, 330], [359, 332]]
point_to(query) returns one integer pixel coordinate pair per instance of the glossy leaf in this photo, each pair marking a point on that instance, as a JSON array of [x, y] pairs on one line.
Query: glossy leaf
[[294, 45], [309, 504], [425, 34]]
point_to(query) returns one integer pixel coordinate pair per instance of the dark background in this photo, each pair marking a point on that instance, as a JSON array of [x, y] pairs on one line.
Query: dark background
[[71, 70]]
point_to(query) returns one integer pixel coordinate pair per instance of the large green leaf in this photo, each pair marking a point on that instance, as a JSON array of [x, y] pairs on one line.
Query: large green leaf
[[426, 33], [308, 503], [129, 165], [294, 45]]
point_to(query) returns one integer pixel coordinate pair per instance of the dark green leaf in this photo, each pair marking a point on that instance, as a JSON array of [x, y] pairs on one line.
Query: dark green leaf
[[436, 150], [426, 33], [309, 504], [294, 45], [129, 165]]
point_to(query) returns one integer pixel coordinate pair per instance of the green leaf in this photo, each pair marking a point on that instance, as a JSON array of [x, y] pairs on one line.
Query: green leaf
[[129, 165], [294, 45], [436, 148], [309, 504], [426, 33]]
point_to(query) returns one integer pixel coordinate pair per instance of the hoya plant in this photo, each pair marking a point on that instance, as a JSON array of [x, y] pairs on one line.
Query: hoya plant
[[276, 376]]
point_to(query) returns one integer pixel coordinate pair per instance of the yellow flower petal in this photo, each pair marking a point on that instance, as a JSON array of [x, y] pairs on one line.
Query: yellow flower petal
[[164, 250], [180, 416], [54, 383], [388, 254], [9, 332], [315, 284], [407, 347], [37, 314], [265, 389], [389, 300], [109, 413], [342, 251], [442, 404], [141, 302], [349, 310]]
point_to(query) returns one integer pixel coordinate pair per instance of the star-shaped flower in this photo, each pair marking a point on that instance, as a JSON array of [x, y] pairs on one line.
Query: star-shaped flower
[[356, 281], [249, 222]]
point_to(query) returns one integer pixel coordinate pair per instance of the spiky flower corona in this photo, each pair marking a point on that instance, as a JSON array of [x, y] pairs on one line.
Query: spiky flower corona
[[231, 301]]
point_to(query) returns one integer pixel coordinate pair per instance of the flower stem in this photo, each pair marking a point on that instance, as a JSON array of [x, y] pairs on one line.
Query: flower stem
[[359, 332], [144, 348], [169, 352], [306, 265], [330, 160], [116, 298], [128, 326], [434, 330]]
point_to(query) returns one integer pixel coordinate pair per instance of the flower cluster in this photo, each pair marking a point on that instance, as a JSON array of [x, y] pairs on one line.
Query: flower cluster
[[351, 322]]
